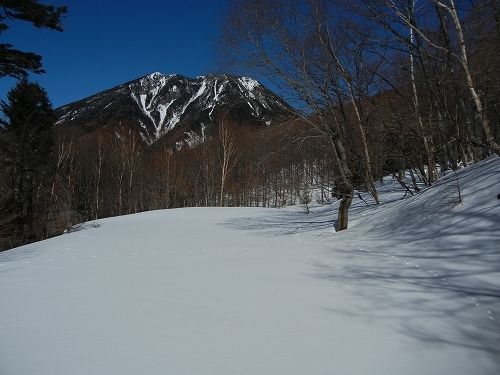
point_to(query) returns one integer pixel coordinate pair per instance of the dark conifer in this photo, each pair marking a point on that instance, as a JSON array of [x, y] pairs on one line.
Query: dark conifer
[[15, 63], [26, 144]]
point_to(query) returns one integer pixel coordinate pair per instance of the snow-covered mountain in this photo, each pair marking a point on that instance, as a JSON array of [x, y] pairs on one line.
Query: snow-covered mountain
[[161, 103]]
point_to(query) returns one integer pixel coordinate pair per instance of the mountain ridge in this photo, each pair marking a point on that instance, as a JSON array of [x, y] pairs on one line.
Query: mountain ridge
[[159, 103]]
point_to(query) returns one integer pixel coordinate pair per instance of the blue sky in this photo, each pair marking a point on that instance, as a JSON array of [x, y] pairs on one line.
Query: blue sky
[[109, 42]]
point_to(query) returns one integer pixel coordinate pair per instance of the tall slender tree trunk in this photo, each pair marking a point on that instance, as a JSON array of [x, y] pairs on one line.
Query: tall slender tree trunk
[[462, 57], [429, 150], [346, 190]]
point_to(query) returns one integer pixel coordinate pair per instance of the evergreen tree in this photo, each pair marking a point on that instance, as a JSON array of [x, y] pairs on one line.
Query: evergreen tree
[[15, 63], [26, 144]]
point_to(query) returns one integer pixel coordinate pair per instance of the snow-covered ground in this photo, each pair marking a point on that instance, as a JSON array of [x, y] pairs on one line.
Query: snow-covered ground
[[413, 287]]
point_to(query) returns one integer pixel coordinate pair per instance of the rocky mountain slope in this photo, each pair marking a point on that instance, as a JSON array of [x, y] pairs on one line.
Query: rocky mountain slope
[[172, 104]]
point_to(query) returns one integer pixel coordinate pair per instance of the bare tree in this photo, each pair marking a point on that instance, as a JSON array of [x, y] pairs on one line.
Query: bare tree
[[305, 50], [98, 172], [229, 152], [126, 148]]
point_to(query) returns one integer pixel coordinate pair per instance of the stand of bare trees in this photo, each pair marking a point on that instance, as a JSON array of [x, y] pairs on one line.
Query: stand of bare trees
[[111, 172], [388, 84]]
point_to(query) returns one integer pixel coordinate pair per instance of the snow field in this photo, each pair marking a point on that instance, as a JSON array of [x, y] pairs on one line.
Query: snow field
[[263, 291]]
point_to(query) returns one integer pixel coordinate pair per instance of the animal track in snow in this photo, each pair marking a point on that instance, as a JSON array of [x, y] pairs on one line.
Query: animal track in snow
[[104, 255]]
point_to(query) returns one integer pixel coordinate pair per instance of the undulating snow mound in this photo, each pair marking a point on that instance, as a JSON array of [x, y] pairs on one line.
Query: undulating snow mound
[[413, 287]]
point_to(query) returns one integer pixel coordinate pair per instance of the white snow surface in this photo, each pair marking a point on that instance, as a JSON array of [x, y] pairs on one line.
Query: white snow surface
[[248, 83], [412, 287]]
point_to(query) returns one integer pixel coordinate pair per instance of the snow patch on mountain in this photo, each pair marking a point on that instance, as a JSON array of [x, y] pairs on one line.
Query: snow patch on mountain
[[249, 83], [200, 92]]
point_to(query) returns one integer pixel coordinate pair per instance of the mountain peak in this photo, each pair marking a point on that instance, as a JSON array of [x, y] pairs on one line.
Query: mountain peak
[[154, 75]]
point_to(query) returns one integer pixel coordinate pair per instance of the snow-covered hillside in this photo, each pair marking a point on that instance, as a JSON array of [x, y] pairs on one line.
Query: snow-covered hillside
[[413, 287]]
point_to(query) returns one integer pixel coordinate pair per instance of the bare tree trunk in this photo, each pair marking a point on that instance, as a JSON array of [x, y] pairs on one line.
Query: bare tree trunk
[[346, 190], [64, 149], [99, 170], [346, 75], [343, 217], [230, 155]]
